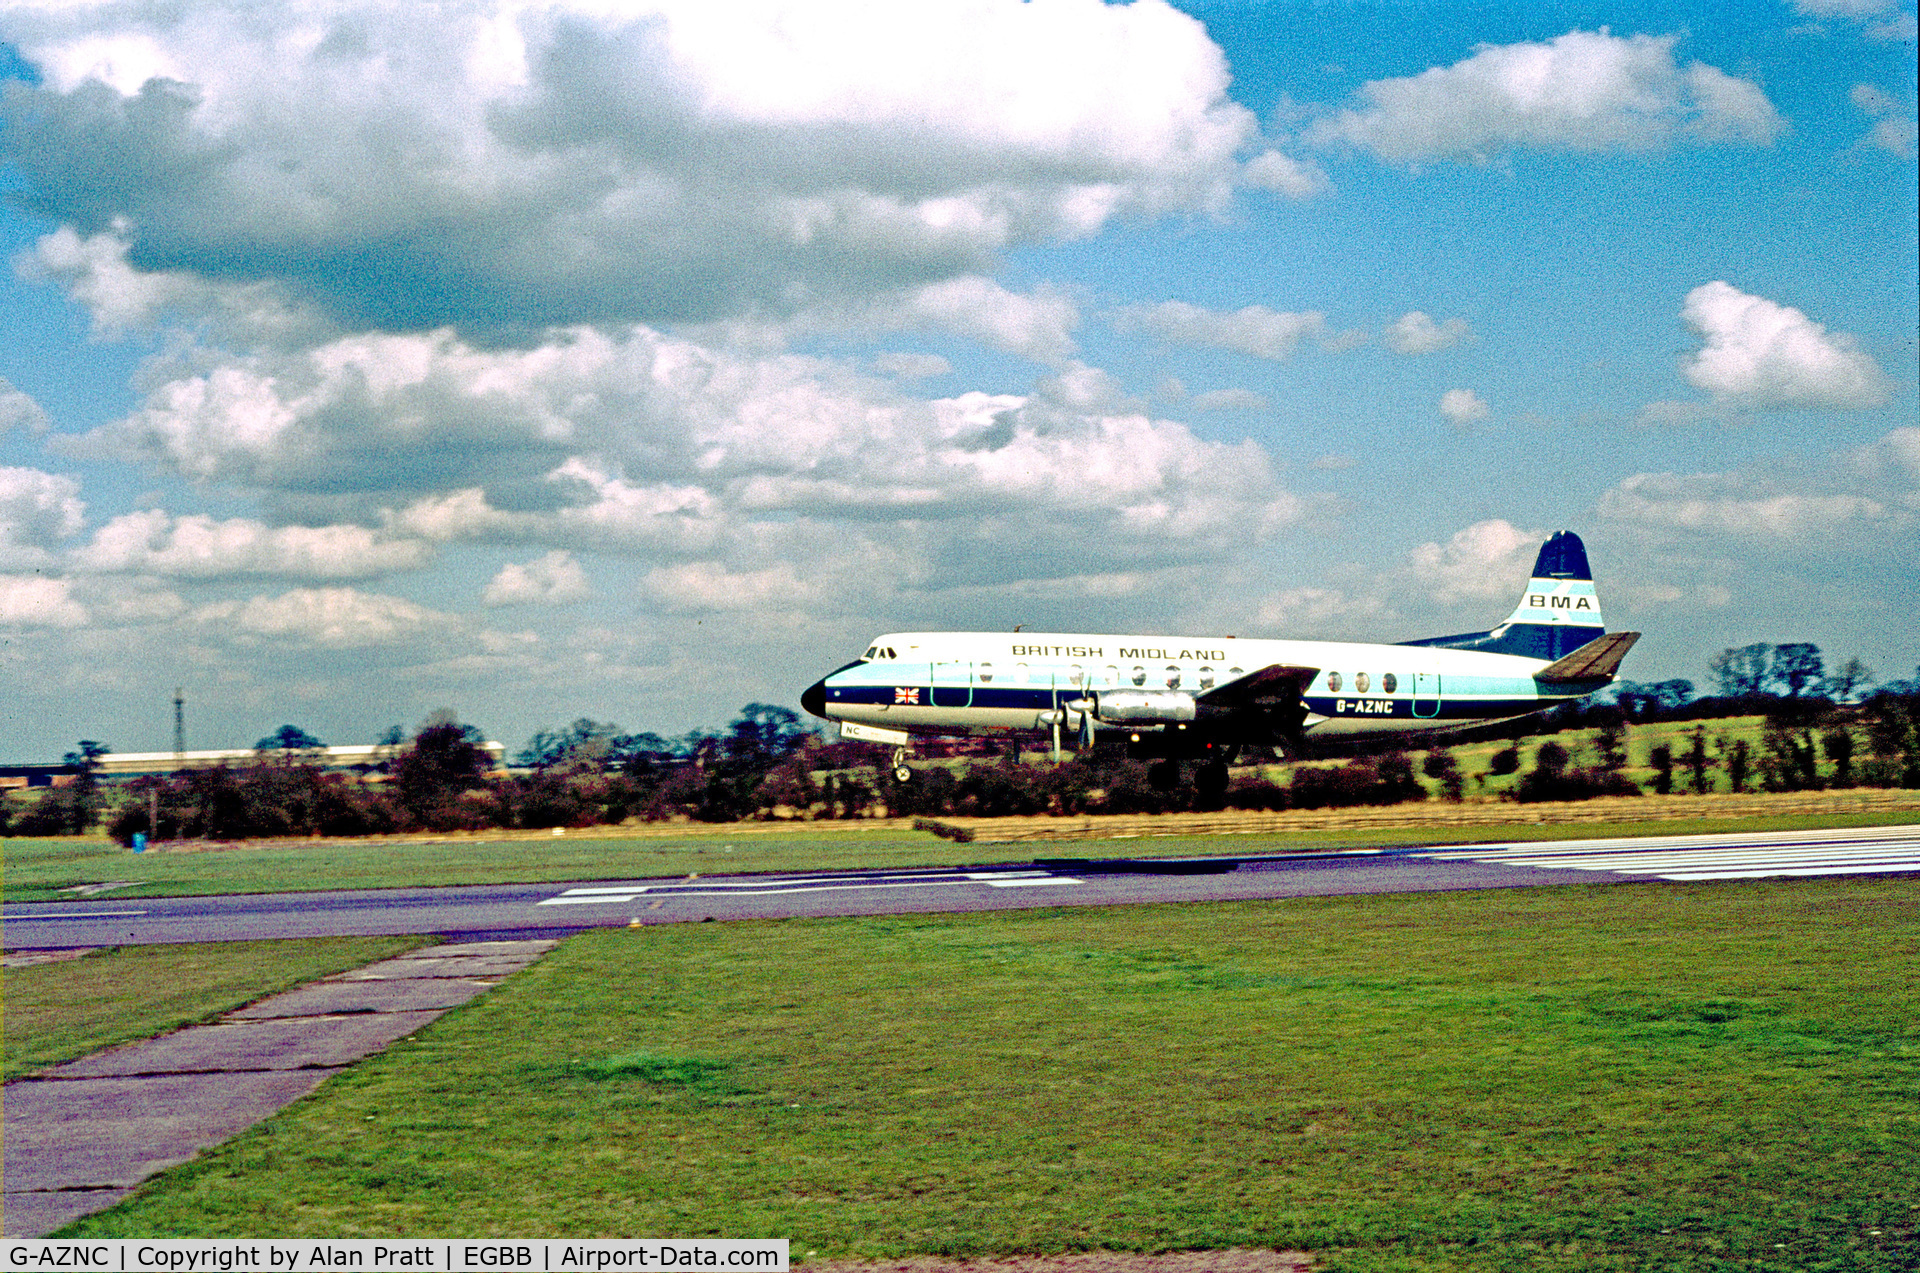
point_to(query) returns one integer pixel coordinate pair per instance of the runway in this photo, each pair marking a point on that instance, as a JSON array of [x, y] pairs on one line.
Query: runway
[[522, 910]]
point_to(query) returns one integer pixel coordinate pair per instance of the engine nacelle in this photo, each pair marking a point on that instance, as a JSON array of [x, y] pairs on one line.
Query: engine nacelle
[[1144, 707]]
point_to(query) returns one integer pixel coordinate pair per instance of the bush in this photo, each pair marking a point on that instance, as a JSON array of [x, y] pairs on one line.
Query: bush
[[1552, 779], [1386, 779], [1256, 793]]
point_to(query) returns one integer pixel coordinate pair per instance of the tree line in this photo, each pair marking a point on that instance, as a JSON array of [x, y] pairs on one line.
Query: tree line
[[1820, 729]]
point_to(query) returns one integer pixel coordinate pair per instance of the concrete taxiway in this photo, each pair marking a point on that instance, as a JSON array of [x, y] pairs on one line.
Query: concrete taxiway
[[81, 1136]]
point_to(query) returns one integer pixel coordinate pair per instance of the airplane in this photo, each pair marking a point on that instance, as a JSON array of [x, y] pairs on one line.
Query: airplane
[[1203, 699]]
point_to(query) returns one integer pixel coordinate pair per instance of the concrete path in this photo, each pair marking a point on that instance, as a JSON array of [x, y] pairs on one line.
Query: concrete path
[[80, 1136]]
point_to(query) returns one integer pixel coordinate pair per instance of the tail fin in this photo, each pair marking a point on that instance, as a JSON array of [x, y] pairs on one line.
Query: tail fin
[[1558, 613]]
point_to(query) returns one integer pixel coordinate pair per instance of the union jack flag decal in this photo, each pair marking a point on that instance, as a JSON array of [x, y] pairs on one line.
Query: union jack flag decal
[[907, 694]]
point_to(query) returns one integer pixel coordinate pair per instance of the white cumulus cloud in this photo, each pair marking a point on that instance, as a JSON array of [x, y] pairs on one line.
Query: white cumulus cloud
[[1416, 333], [1488, 560], [37, 512], [1463, 407], [19, 411], [1763, 355], [554, 579], [1582, 91], [37, 601], [199, 547], [496, 165], [1283, 174], [1255, 330], [330, 618], [1740, 506]]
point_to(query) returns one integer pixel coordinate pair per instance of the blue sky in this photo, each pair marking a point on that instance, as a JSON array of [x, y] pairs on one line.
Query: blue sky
[[642, 361]]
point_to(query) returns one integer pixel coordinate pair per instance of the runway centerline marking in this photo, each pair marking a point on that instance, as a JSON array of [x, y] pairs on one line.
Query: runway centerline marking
[[594, 895]]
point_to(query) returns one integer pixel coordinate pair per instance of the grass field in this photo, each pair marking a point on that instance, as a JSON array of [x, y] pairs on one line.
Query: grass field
[[58, 1011], [1628, 1077]]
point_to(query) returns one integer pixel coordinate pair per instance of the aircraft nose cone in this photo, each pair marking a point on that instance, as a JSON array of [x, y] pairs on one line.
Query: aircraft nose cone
[[815, 699]]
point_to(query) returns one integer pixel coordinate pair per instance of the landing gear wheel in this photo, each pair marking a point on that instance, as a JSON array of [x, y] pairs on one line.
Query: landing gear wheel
[[902, 774], [1164, 776], [1211, 778]]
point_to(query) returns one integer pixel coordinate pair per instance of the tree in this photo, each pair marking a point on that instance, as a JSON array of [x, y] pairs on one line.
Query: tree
[[1699, 763], [445, 760], [1661, 758], [1739, 762], [1610, 740], [1838, 743], [1742, 672], [1651, 702], [292, 743], [1852, 677], [586, 745], [1441, 766], [85, 759], [1797, 669]]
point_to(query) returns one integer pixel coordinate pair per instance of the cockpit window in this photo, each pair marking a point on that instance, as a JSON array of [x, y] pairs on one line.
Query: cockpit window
[[873, 651]]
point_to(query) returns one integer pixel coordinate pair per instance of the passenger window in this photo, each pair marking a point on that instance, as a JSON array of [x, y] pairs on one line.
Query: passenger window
[[1112, 677], [1360, 682], [1139, 676], [1173, 677], [1206, 678], [1019, 673], [1234, 671], [1073, 676], [1388, 684], [1333, 682], [986, 673]]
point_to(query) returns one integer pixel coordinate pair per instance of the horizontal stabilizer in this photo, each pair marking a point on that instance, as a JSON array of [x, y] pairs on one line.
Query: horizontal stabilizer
[[1596, 660], [1275, 683]]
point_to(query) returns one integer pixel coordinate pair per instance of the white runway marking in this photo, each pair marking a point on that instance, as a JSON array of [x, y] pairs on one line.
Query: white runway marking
[[610, 894], [1877, 850]]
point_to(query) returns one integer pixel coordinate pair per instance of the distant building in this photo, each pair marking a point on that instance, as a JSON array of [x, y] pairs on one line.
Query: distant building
[[133, 764]]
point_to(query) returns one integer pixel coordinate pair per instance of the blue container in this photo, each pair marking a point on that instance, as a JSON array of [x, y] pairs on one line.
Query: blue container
[[139, 841]]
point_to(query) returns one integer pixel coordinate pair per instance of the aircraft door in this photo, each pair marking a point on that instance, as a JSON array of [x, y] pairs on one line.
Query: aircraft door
[[1426, 694], [953, 684]]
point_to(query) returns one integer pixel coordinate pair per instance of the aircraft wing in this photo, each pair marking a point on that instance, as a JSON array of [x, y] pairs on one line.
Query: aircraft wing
[[1596, 660], [1265, 687]]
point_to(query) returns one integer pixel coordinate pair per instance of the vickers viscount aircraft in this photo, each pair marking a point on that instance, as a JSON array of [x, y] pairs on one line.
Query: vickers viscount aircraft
[[1176, 698]]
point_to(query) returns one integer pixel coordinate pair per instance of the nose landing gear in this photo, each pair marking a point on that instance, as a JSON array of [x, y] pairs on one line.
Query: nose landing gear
[[900, 771]]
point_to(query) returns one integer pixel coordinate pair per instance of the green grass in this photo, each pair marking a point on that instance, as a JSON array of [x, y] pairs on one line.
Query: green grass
[[58, 1011], [46, 869], [1629, 1077]]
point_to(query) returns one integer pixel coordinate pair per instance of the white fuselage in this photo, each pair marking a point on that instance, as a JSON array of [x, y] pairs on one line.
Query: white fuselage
[[996, 682]]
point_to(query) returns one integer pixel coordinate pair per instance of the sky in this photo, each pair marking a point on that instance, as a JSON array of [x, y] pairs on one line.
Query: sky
[[640, 361]]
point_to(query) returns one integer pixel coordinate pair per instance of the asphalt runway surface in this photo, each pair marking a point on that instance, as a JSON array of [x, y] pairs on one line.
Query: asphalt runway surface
[[509, 911]]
